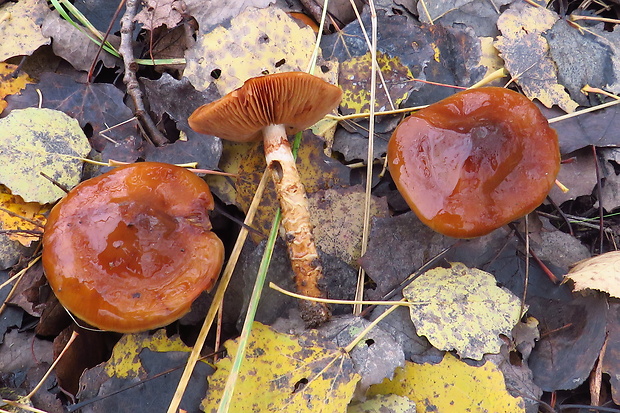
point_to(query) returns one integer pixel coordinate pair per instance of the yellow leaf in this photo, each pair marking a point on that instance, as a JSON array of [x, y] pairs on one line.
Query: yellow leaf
[[600, 273], [125, 363], [285, 373], [452, 386], [35, 141], [14, 222], [258, 41], [10, 85], [526, 54], [463, 309], [20, 28]]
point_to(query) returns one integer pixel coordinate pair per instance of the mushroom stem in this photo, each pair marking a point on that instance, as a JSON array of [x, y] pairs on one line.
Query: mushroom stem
[[296, 221]]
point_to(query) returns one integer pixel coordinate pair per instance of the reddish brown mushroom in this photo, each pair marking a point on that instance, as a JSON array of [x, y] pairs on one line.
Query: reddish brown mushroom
[[272, 107], [130, 250], [474, 161]]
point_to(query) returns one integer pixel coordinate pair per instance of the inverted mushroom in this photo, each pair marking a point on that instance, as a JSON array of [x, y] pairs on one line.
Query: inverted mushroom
[[474, 161], [131, 249], [272, 107]]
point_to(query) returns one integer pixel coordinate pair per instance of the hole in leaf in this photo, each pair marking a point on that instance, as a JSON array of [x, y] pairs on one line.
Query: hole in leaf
[[300, 385]]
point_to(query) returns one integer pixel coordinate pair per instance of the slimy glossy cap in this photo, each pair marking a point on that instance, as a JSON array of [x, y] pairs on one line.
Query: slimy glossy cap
[[130, 250], [474, 161]]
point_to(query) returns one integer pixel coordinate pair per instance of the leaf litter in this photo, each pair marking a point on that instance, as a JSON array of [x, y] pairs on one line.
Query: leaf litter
[[559, 345]]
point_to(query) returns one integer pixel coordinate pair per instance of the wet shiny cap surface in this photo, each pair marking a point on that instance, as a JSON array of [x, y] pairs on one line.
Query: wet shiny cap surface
[[130, 250], [474, 161]]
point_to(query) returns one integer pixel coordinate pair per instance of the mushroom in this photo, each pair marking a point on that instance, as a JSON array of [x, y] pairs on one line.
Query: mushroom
[[474, 161], [273, 107], [130, 250]]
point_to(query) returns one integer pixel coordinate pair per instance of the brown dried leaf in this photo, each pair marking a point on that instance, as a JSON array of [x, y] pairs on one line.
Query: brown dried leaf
[[156, 13]]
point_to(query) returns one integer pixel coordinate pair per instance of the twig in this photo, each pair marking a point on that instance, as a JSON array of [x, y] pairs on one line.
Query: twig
[[103, 41], [599, 193], [130, 79]]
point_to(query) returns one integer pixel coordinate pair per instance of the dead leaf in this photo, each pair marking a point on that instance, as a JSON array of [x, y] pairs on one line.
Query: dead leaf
[[95, 105], [338, 219], [21, 28], [354, 80], [600, 273], [582, 58], [281, 371], [75, 46], [174, 99], [375, 357], [398, 246], [611, 358], [156, 13], [439, 387], [572, 331], [384, 403], [10, 85], [579, 175], [480, 15], [209, 15], [41, 140], [596, 128], [31, 211], [257, 42], [141, 368], [443, 298], [526, 54], [30, 293]]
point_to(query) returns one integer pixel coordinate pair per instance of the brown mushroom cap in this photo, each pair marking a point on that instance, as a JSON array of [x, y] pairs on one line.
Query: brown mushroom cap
[[130, 250], [296, 100], [474, 161]]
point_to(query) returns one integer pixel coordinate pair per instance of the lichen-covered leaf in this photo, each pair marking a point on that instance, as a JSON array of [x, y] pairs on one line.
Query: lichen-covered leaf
[[600, 273], [452, 386], [282, 372], [20, 29], [383, 403], [258, 41], [526, 54], [35, 141], [23, 217], [338, 219], [463, 309]]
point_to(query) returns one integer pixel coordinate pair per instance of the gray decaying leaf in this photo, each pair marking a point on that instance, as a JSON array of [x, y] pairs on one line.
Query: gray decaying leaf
[[581, 58], [595, 128], [572, 334], [397, 247], [375, 357]]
